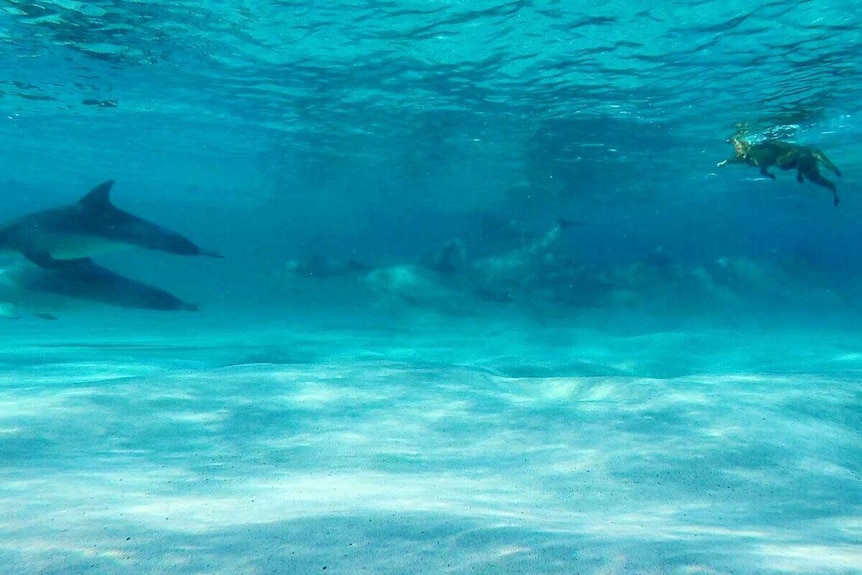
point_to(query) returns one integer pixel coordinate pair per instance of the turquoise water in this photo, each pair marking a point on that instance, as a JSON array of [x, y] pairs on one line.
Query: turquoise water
[[487, 303]]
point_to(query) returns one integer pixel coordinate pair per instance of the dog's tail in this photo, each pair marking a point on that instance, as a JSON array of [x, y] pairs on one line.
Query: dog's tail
[[821, 157]]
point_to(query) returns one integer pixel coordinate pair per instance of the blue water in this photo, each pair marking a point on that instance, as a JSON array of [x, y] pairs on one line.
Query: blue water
[[405, 363]]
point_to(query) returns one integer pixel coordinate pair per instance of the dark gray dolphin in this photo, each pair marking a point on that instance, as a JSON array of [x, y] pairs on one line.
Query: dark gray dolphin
[[44, 291], [91, 226]]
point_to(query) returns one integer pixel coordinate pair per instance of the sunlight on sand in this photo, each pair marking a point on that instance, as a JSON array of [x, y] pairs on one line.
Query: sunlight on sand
[[706, 472]]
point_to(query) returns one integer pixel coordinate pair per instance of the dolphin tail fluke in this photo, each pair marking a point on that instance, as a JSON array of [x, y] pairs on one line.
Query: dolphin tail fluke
[[211, 254]]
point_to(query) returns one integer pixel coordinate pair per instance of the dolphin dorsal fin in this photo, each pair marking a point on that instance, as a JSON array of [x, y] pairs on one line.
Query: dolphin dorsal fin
[[98, 197]]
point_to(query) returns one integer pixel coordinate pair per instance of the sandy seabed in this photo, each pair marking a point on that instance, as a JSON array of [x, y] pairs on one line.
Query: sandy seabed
[[478, 449]]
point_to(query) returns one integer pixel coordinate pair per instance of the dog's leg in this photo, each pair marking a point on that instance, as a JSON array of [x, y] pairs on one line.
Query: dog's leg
[[764, 172]]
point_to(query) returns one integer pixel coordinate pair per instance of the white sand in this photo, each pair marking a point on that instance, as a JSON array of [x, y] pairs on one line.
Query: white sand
[[476, 450]]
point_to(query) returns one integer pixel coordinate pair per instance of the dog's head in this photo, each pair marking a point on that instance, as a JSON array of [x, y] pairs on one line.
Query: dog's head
[[740, 146]]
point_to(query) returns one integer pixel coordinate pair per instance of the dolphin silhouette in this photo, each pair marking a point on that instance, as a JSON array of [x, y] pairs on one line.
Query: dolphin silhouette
[[91, 226], [44, 291]]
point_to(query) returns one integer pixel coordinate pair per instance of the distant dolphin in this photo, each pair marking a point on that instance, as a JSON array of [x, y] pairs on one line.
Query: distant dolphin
[[91, 226], [317, 266], [44, 291], [418, 286], [521, 260], [450, 277]]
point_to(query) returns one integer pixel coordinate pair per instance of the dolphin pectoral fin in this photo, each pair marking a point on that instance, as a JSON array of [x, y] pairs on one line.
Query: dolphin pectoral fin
[[46, 316], [41, 258], [211, 254], [44, 259], [98, 197]]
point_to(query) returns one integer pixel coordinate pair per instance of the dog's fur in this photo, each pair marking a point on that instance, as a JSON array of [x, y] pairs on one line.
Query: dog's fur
[[785, 156]]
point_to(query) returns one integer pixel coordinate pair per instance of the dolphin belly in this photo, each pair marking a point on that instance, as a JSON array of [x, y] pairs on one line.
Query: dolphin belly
[[77, 246], [37, 242]]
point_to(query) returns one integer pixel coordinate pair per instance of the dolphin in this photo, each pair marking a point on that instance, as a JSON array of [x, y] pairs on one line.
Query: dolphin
[[451, 277], [317, 266], [418, 287], [89, 227], [45, 290], [520, 272]]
